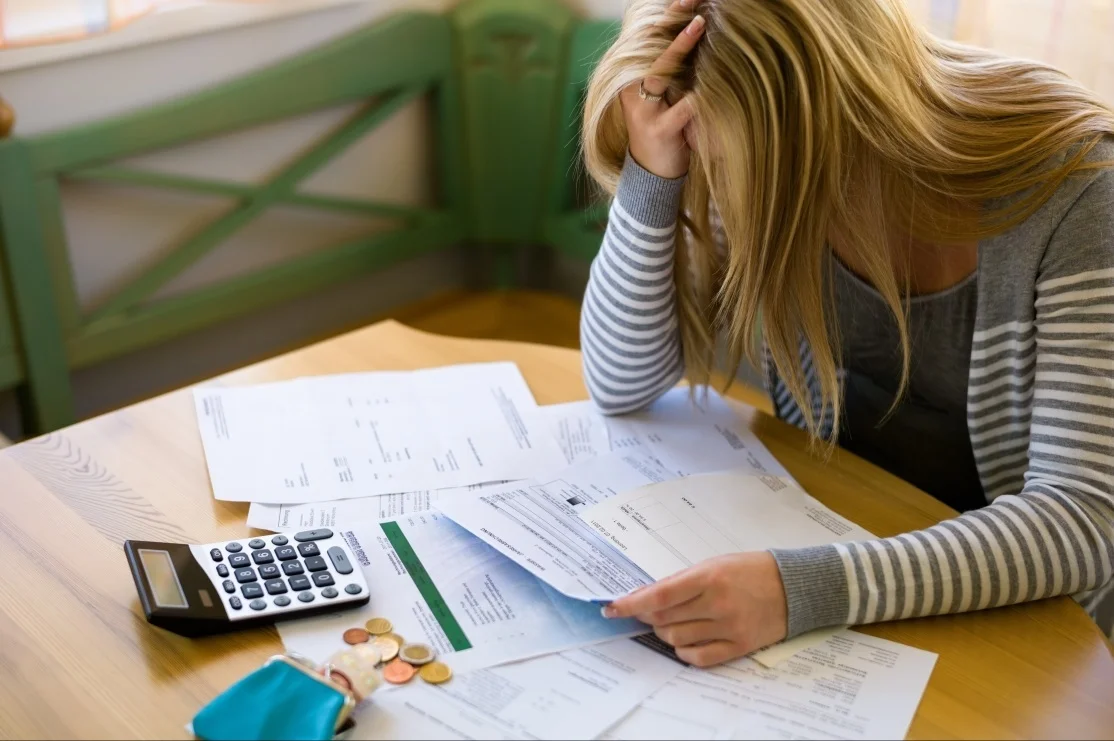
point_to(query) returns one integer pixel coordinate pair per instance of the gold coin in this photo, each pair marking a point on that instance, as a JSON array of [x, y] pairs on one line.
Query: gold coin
[[352, 636], [396, 638], [436, 673], [416, 654], [388, 649], [379, 626]]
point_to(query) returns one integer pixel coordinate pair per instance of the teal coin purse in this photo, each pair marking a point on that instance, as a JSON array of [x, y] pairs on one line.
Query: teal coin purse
[[281, 700]]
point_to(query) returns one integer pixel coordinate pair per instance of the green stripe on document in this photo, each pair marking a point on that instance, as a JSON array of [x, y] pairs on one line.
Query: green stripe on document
[[426, 587]]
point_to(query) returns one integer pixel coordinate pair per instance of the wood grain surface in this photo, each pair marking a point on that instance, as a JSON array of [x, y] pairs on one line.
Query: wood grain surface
[[77, 659]]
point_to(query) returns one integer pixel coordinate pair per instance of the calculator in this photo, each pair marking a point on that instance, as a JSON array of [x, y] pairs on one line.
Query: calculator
[[197, 590]]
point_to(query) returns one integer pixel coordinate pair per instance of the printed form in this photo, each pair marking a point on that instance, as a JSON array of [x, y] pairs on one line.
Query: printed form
[[444, 587], [356, 435], [570, 695], [850, 686]]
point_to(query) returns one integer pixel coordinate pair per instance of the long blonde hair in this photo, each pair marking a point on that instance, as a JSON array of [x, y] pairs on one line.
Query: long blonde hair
[[821, 120]]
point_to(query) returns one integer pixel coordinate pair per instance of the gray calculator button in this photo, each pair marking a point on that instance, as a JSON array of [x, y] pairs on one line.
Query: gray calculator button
[[286, 553], [293, 568], [319, 534], [328, 593], [353, 589], [275, 586], [263, 556], [257, 604], [316, 564], [233, 547], [282, 601], [340, 560], [323, 579], [216, 555], [269, 571], [298, 583], [222, 570], [256, 543], [229, 586], [251, 591], [305, 597], [235, 603], [239, 560], [245, 575], [279, 540], [309, 549]]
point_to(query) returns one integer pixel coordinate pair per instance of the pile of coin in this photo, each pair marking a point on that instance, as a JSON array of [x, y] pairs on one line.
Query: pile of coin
[[400, 660]]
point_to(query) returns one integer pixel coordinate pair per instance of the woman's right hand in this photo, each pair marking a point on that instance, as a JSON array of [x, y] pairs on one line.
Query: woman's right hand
[[655, 128]]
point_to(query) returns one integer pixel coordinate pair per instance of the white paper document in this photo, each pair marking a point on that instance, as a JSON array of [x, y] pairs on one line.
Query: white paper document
[[666, 527], [442, 586], [535, 524], [851, 686], [344, 513], [357, 435], [580, 430], [570, 695]]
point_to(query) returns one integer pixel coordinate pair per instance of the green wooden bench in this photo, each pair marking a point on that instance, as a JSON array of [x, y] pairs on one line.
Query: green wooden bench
[[506, 78]]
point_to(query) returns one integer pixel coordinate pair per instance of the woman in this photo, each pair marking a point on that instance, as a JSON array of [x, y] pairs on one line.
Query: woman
[[927, 233]]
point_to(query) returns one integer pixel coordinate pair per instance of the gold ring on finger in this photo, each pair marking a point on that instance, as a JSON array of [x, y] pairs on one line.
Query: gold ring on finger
[[648, 96]]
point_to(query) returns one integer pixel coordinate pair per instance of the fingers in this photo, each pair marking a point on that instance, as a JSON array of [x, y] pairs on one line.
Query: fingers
[[691, 633], [673, 57], [710, 654], [678, 116], [694, 609], [666, 593]]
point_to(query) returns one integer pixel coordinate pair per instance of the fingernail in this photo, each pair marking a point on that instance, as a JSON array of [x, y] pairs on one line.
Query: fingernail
[[684, 3], [607, 611], [696, 26]]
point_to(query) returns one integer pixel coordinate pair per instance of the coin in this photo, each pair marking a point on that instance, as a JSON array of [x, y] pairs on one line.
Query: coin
[[398, 672], [379, 626], [353, 636], [436, 673], [388, 649], [397, 638], [416, 654]]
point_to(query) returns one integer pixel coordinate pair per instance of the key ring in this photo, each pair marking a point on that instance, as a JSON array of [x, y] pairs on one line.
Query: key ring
[[648, 96]]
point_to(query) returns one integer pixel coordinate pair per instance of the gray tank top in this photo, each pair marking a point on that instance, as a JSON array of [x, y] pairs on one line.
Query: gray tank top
[[925, 441]]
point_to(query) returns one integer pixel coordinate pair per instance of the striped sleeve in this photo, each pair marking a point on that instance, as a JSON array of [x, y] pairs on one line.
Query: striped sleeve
[[1041, 407], [629, 333]]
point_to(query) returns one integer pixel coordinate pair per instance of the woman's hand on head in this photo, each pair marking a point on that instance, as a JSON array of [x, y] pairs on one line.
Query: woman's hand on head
[[657, 129], [718, 610]]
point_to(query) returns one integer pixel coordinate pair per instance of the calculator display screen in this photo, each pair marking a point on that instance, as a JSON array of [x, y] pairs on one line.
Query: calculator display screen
[[165, 587]]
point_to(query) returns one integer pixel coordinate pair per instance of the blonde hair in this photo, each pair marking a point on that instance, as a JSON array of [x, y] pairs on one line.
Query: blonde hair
[[820, 120]]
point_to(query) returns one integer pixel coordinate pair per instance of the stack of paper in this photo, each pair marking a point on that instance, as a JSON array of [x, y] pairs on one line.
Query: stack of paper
[[491, 528]]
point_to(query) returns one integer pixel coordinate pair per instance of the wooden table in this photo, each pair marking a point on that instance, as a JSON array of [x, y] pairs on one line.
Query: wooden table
[[77, 658]]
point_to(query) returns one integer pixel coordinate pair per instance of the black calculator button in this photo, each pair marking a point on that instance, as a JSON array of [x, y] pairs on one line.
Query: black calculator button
[[235, 603], [298, 583], [216, 554], [279, 540], [329, 593], [323, 579], [257, 604], [256, 543], [245, 575], [309, 549], [234, 547], [320, 534], [269, 571], [262, 557], [353, 589], [316, 564], [239, 560], [229, 586], [285, 553], [251, 591], [340, 560], [282, 601], [293, 568], [275, 586], [306, 597], [222, 570]]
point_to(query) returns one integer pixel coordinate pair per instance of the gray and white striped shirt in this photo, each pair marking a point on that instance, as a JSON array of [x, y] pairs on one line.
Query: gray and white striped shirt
[[1040, 407]]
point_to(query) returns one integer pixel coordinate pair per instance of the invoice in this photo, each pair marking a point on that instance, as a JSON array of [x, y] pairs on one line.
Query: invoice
[[337, 437], [440, 585]]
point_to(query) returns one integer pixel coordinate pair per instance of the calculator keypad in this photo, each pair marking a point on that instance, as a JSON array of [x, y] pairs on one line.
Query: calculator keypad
[[269, 571], [285, 553], [263, 556], [245, 575], [309, 549], [293, 568], [251, 591], [298, 583], [316, 564], [275, 586], [239, 560], [323, 579]]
